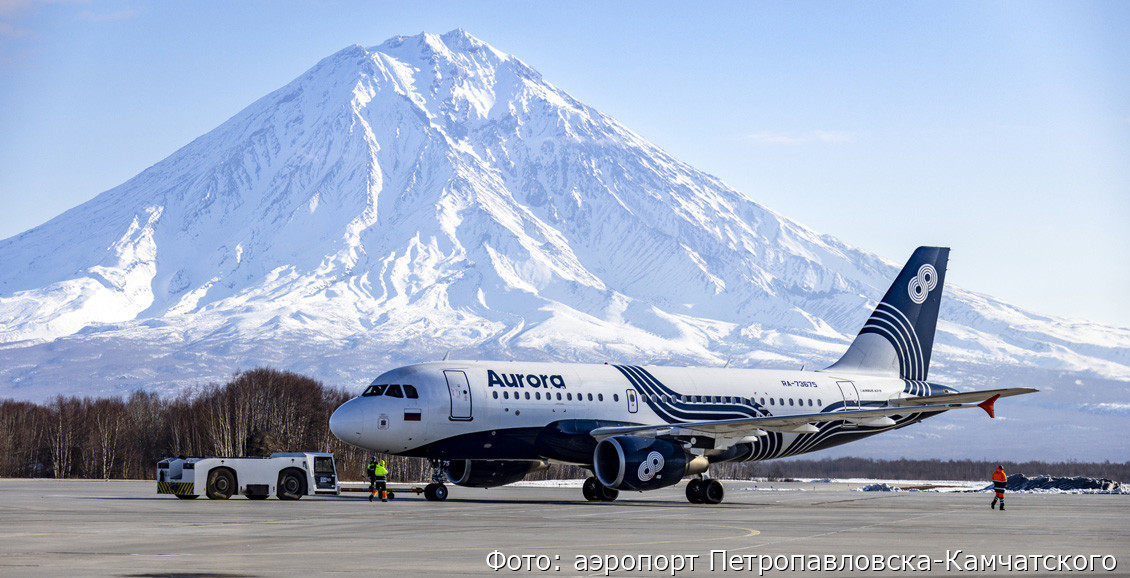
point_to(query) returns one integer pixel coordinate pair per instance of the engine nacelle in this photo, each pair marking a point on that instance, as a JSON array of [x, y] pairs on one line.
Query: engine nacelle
[[489, 473], [638, 463]]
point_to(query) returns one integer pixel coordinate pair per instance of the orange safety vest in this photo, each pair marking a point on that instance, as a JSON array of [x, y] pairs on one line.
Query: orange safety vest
[[999, 476]]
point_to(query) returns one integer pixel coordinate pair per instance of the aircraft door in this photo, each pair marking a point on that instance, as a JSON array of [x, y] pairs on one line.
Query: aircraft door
[[851, 395], [633, 401], [460, 391]]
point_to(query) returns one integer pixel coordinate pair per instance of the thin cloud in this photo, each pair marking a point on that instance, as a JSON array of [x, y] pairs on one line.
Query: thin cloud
[[11, 8], [9, 30], [91, 16], [816, 136]]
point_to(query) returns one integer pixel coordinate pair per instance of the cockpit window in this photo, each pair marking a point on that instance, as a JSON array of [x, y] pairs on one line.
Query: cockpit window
[[410, 392], [394, 391], [375, 389]]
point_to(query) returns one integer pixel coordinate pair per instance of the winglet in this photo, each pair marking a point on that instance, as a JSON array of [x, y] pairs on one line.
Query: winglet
[[987, 405]]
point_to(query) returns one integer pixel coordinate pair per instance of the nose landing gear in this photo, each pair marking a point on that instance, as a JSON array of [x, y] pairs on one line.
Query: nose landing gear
[[436, 491]]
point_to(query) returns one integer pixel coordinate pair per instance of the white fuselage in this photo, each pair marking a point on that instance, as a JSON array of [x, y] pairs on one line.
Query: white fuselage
[[473, 409]]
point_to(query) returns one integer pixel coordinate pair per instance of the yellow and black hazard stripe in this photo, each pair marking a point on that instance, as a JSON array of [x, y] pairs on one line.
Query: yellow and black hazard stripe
[[178, 488]]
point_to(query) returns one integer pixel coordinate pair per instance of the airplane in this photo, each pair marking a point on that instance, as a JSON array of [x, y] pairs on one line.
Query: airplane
[[640, 428]]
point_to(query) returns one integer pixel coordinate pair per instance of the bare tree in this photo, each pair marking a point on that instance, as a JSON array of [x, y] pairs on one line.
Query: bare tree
[[64, 434], [108, 418]]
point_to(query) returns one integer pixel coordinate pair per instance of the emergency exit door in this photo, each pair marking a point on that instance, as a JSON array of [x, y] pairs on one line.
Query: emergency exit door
[[851, 395], [460, 391]]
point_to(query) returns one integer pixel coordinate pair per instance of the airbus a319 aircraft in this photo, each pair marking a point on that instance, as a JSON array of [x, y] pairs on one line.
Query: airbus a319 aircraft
[[490, 423]]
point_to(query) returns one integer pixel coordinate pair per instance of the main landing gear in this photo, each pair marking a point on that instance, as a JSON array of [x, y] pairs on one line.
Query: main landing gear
[[700, 491], [436, 491], [595, 491]]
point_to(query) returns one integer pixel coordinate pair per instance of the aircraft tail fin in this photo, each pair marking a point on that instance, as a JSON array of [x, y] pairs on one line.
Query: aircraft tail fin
[[897, 339]]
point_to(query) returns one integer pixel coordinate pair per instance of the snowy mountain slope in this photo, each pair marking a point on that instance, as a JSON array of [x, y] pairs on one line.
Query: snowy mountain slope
[[433, 194]]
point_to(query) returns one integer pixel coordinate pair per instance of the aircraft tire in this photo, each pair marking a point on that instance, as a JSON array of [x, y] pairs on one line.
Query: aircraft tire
[[221, 484], [435, 492], [606, 494], [694, 491], [591, 489], [712, 492]]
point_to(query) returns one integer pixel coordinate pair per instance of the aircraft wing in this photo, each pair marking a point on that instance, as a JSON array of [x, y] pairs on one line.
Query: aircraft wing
[[967, 397], [741, 427], [731, 431]]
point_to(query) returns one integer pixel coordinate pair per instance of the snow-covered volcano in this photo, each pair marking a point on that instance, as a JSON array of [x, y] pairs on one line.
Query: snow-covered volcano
[[434, 195]]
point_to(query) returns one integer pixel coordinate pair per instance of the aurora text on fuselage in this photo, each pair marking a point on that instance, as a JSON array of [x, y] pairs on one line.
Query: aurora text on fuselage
[[494, 379]]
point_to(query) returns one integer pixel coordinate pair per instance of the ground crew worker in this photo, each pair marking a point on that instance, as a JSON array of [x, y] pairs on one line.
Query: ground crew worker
[[999, 481], [377, 475]]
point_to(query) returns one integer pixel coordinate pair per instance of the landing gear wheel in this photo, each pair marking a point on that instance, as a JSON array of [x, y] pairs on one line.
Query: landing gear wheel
[[712, 492], [291, 485], [221, 484], [590, 490], [606, 494], [435, 492], [694, 491]]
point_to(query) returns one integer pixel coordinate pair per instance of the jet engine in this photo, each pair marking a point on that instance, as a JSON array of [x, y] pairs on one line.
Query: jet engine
[[638, 463], [489, 473]]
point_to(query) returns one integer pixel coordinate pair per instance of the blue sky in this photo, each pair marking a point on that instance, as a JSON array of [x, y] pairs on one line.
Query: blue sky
[[1000, 129]]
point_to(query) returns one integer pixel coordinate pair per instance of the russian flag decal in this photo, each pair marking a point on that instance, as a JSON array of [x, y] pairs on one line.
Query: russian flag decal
[[412, 415]]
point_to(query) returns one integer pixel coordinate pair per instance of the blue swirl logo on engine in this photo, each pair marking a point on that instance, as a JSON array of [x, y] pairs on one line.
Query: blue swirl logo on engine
[[651, 466]]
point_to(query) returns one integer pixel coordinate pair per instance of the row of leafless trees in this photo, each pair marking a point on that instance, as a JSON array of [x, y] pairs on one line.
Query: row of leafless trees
[[263, 411], [256, 413]]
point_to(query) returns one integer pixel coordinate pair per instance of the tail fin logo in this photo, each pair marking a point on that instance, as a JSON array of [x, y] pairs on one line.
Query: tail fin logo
[[921, 286]]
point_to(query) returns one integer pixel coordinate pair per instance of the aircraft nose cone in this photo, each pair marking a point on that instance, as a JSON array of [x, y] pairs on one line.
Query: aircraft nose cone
[[348, 422]]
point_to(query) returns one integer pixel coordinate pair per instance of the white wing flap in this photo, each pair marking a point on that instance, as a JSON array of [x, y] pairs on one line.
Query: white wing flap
[[740, 427], [967, 397]]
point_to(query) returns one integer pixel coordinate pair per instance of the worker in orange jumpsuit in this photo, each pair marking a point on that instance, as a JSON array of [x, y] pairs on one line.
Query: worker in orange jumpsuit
[[999, 481]]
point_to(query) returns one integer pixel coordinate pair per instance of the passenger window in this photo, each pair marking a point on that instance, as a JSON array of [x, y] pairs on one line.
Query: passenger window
[[615, 397], [810, 402], [537, 395], [394, 391], [771, 402], [590, 397], [763, 401], [819, 403], [559, 396], [600, 397], [569, 396], [495, 395], [375, 389], [790, 401], [527, 395], [782, 400], [410, 392]]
